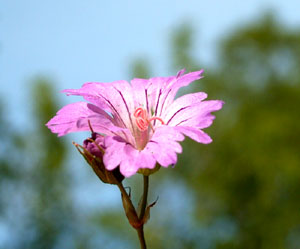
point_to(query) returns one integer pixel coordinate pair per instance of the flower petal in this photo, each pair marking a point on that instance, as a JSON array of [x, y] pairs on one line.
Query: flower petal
[[113, 152], [128, 166], [183, 102], [115, 97], [197, 114], [141, 93], [133, 160], [163, 153], [118, 152], [145, 159], [164, 145], [167, 133], [74, 117], [90, 93], [195, 134], [186, 79], [167, 88]]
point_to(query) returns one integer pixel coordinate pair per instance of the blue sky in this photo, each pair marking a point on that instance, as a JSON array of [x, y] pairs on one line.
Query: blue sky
[[73, 42]]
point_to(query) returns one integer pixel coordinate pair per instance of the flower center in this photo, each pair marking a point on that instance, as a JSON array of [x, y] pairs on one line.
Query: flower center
[[141, 120]]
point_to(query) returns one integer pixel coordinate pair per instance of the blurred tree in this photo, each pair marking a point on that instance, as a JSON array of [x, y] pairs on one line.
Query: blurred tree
[[10, 148], [182, 48], [140, 68], [44, 214], [250, 174], [51, 210]]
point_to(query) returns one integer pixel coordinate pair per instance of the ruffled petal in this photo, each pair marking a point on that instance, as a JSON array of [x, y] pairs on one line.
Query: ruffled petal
[[167, 133], [164, 145], [186, 79], [157, 94], [163, 153], [184, 101], [128, 166], [145, 159], [197, 114], [141, 93], [149, 93], [133, 160], [195, 134], [162, 148], [114, 148], [166, 89], [74, 117], [90, 93], [118, 152], [115, 97]]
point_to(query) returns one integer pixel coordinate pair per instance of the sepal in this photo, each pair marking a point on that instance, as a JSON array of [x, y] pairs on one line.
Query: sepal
[[130, 212], [147, 172]]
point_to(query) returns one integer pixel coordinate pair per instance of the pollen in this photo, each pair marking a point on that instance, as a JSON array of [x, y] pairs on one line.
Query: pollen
[[142, 121]]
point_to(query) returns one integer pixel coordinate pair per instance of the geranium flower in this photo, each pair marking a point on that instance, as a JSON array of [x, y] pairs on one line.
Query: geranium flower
[[142, 122]]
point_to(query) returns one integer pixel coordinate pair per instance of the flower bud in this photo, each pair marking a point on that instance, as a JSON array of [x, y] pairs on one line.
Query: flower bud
[[93, 150]]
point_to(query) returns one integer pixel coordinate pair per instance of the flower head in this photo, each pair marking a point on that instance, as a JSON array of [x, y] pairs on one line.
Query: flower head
[[142, 122]]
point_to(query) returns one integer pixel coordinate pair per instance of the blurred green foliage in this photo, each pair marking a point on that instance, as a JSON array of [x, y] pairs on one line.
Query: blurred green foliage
[[250, 173], [34, 181], [240, 192]]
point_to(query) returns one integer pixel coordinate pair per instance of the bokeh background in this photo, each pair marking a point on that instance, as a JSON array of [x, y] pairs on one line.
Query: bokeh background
[[240, 192]]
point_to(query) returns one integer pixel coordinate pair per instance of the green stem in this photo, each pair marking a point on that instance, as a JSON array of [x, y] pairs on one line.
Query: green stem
[[144, 198], [140, 230]]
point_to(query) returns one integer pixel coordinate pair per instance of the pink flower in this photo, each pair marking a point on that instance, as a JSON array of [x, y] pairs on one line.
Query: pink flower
[[142, 121]]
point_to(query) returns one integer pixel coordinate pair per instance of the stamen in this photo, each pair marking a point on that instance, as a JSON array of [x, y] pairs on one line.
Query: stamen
[[156, 118], [142, 121], [142, 124], [140, 112]]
